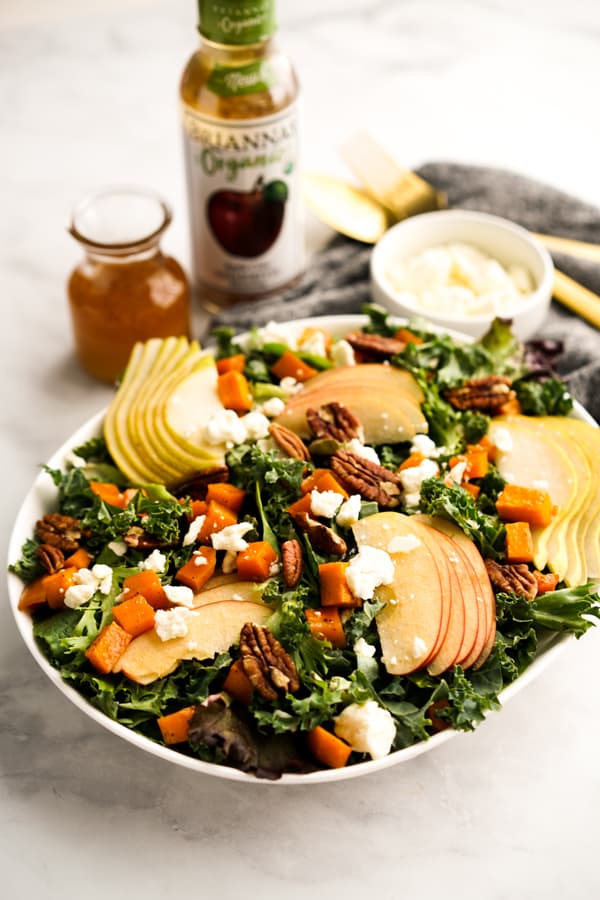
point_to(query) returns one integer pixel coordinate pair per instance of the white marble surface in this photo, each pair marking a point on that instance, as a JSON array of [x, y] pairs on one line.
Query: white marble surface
[[88, 97]]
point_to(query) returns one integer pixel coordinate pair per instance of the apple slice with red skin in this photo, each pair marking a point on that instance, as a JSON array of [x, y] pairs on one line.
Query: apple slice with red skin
[[409, 625], [386, 401], [449, 651], [480, 600], [247, 223]]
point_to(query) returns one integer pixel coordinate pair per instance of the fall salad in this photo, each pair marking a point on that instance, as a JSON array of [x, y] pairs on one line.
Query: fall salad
[[306, 551]]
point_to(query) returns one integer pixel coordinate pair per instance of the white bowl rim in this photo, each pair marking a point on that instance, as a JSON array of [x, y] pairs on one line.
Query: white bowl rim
[[337, 324], [543, 289]]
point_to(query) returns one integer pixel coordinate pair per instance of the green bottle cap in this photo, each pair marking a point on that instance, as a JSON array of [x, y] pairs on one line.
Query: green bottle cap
[[237, 21]]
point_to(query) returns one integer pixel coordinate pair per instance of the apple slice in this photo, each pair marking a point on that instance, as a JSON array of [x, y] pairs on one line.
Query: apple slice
[[212, 629], [386, 400], [410, 622], [448, 651], [478, 594], [229, 590]]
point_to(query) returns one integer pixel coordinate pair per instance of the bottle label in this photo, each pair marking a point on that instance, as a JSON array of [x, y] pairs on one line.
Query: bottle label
[[245, 201], [254, 78], [237, 21]]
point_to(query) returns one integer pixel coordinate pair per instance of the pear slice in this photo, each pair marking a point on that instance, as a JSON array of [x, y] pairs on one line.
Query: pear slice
[[187, 408], [168, 360], [410, 622], [581, 441], [385, 399], [212, 629], [169, 388], [184, 458], [588, 439], [540, 455], [140, 364]]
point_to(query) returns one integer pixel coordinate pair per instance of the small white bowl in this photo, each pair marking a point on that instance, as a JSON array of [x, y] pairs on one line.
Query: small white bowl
[[496, 237]]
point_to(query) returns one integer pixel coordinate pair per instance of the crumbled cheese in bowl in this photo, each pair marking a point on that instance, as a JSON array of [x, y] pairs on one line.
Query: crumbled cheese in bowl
[[458, 279]]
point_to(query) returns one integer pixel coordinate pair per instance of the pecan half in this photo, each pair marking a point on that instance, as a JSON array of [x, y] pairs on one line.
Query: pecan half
[[291, 562], [512, 579], [269, 667], [197, 486], [334, 421], [289, 442], [375, 345], [321, 536], [142, 540], [59, 531], [52, 558], [369, 479], [487, 394]]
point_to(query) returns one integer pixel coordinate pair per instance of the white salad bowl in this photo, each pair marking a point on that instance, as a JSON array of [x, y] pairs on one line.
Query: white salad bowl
[[497, 238], [42, 498]]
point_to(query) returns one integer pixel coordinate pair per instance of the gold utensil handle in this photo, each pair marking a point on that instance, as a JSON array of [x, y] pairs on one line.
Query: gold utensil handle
[[580, 249], [577, 298]]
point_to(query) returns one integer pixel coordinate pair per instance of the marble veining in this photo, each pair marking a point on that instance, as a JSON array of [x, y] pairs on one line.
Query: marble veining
[[88, 97]]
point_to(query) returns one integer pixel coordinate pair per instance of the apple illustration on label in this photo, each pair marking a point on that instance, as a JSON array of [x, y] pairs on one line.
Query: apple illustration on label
[[247, 223]]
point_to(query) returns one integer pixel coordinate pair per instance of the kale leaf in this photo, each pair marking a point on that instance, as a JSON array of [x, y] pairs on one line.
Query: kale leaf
[[454, 503]]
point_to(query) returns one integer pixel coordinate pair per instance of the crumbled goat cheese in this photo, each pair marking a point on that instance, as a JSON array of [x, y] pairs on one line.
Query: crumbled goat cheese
[[367, 570], [412, 479], [85, 584], [342, 354], [171, 623], [421, 443], [276, 333], [367, 727], [362, 648], [403, 543], [79, 594], [349, 512], [193, 531], [225, 427], [359, 449], [103, 576], [179, 594], [290, 386], [272, 407], [119, 548], [325, 503], [315, 344], [231, 538], [199, 559], [457, 472], [256, 426], [156, 561]]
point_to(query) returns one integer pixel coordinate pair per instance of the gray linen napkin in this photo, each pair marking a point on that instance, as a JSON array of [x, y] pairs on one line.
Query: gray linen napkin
[[337, 280]]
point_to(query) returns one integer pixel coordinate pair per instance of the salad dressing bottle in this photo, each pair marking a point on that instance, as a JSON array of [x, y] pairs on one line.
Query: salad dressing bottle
[[239, 100]]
